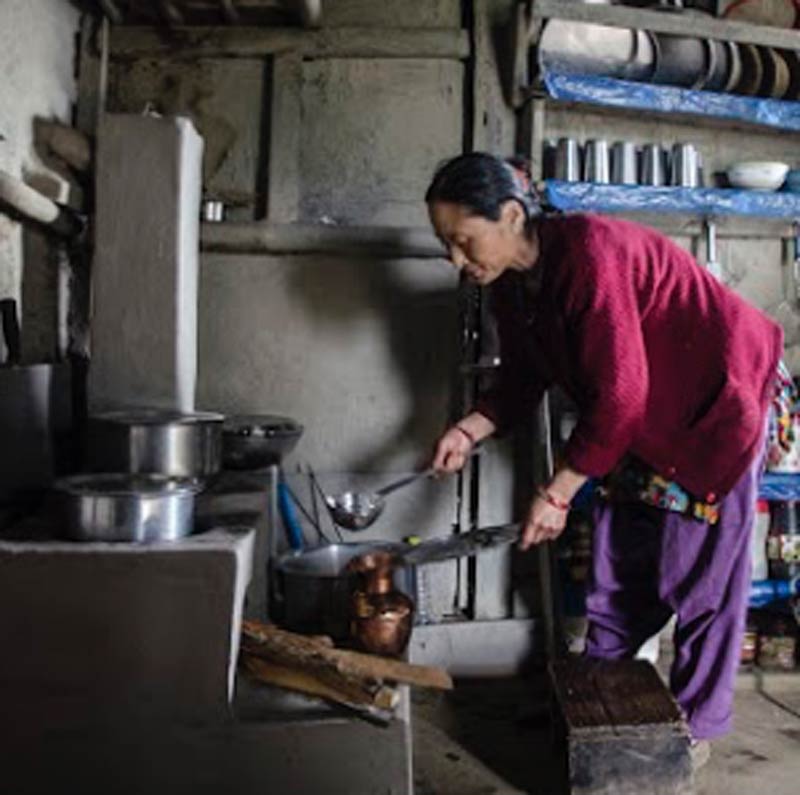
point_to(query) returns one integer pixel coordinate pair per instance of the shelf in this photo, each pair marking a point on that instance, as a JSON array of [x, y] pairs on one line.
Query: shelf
[[607, 92], [777, 487], [707, 202], [264, 237]]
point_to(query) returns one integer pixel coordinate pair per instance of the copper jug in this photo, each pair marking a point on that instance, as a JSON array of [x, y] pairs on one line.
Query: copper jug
[[381, 616]]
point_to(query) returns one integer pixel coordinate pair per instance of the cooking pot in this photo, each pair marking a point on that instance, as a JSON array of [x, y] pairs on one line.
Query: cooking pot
[[126, 507], [315, 590], [155, 441], [256, 441]]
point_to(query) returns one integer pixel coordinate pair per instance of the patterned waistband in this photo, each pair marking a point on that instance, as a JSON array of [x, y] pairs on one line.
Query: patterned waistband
[[635, 481]]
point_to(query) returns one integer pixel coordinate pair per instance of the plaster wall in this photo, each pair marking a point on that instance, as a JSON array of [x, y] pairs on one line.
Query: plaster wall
[[37, 49]]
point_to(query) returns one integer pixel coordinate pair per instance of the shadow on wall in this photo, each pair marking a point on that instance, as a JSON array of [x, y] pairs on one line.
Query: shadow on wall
[[418, 320]]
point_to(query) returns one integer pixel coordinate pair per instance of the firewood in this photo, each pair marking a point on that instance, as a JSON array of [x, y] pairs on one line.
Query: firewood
[[378, 706], [289, 648]]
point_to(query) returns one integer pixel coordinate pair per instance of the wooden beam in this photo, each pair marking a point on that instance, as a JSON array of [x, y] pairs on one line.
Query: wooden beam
[[369, 241], [283, 175], [250, 42], [681, 24]]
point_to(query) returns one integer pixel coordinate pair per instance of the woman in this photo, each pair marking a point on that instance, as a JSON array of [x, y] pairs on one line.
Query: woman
[[673, 375]]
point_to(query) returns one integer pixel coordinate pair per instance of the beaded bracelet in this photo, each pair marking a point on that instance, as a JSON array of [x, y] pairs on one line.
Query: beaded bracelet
[[551, 499]]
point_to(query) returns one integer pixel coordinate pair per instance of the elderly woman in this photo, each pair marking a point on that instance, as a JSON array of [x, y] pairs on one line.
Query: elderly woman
[[673, 375]]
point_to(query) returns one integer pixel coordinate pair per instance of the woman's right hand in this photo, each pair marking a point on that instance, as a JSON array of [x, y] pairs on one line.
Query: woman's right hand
[[452, 451]]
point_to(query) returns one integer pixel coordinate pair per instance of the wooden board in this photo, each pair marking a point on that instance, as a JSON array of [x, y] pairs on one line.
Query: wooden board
[[623, 731]]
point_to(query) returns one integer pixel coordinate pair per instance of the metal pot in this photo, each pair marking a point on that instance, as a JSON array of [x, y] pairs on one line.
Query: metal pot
[[257, 441], [154, 441], [315, 589], [133, 508]]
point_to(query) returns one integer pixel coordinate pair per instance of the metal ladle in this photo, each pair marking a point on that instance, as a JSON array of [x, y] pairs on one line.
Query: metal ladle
[[356, 511]]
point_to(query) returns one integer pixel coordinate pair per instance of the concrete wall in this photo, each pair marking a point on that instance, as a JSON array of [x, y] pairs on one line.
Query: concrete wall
[[37, 50]]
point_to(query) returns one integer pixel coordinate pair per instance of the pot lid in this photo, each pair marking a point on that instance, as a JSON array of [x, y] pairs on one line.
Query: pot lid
[[157, 417], [124, 484]]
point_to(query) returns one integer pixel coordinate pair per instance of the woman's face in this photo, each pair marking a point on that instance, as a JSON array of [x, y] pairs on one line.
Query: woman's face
[[483, 249]]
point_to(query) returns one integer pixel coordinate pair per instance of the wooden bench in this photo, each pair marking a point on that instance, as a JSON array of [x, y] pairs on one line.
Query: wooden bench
[[623, 732]]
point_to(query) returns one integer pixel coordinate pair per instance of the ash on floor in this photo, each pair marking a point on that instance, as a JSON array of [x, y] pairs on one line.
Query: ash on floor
[[492, 737]]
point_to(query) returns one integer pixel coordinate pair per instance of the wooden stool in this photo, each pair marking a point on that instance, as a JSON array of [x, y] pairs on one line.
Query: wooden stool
[[624, 733]]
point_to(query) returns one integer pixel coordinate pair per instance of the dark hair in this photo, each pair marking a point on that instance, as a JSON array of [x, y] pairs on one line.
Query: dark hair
[[483, 183]]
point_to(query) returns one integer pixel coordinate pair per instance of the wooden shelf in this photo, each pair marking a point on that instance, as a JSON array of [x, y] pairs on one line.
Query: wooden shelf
[[612, 96], [703, 202]]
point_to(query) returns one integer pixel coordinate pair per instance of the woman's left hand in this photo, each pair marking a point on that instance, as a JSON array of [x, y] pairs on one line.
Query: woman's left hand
[[545, 522]]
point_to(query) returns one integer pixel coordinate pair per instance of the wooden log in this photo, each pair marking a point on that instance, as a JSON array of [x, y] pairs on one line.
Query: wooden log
[[380, 705], [288, 647], [623, 731]]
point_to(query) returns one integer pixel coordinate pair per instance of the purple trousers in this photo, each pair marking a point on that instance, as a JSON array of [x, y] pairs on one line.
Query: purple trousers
[[649, 564]]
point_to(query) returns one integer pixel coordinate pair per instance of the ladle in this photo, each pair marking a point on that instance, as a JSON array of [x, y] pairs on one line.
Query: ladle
[[356, 511]]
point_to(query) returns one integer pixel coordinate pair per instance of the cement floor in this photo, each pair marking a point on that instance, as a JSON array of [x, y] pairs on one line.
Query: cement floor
[[492, 737]]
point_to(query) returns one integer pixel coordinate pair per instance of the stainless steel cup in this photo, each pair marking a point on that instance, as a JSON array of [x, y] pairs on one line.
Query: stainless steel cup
[[624, 164], [596, 162], [684, 166], [653, 169], [568, 160]]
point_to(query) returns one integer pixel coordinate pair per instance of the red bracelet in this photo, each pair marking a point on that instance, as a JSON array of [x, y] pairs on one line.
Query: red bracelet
[[551, 499], [466, 433]]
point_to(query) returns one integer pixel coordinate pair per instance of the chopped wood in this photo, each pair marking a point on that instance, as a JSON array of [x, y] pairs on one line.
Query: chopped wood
[[379, 705], [290, 648]]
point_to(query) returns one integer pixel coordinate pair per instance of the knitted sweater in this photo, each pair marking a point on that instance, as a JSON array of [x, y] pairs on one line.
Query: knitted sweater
[[662, 360]]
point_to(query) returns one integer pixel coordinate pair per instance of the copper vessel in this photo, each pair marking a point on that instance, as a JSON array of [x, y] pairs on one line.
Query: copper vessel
[[381, 616]]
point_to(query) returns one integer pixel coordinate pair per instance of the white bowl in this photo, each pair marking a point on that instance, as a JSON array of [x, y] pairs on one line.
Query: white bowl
[[758, 175]]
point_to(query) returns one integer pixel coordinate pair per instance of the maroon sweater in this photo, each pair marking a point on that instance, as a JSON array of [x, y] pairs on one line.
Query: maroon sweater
[[663, 361]]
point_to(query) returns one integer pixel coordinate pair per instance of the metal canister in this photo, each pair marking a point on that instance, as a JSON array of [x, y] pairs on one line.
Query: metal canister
[[653, 165], [596, 162], [568, 160]]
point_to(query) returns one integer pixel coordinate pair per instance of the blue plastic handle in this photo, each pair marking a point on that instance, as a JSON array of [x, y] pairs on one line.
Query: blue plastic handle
[[294, 533]]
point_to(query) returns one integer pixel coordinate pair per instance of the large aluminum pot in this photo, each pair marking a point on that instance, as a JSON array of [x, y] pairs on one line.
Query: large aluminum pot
[[154, 441], [122, 507], [314, 590]]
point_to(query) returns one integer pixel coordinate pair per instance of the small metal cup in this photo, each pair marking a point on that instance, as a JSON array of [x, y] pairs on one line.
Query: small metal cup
[[653, 168], [568, 160], [213, 211], [596, 162], [684, 166], [624, 164]]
